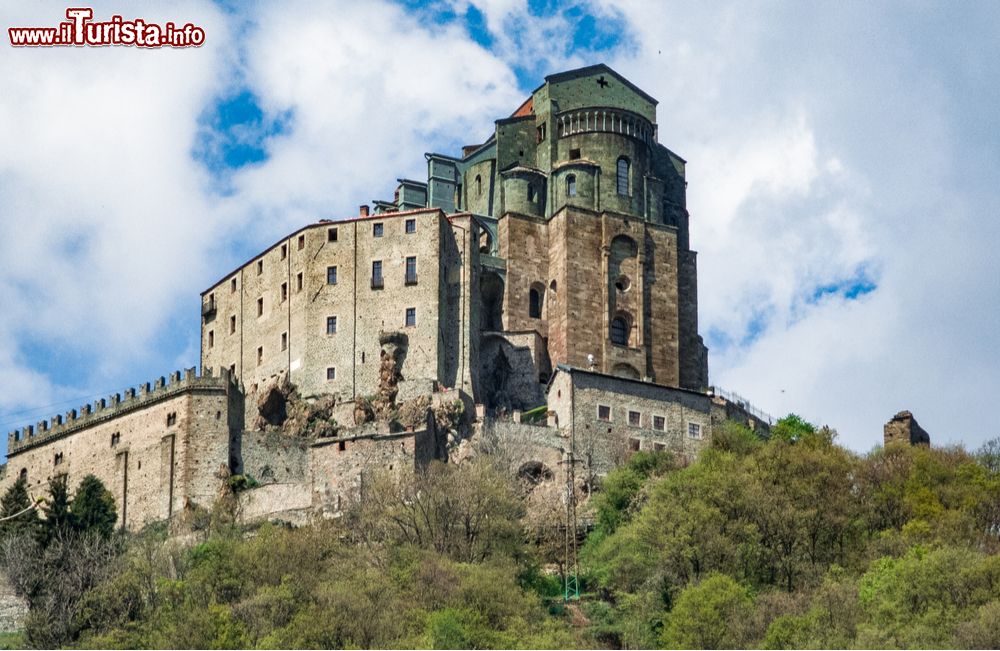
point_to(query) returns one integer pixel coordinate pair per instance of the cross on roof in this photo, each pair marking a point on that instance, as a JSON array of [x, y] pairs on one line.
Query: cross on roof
[[602, 82]]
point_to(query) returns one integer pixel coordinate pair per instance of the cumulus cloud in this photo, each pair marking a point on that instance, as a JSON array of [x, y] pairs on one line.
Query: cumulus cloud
[[102, 209], [845, 254]]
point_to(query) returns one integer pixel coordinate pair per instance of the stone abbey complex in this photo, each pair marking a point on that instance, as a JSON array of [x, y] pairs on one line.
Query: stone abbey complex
[[542, 280]]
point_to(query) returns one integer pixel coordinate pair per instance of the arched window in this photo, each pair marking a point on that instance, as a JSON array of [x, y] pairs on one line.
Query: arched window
[[535, 303], [479, 186], [623, 166], [23, 474], [571, 185], [619, 331], [531, 192]]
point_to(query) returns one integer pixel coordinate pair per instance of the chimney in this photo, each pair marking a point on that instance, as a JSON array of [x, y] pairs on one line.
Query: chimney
[[364, 210]]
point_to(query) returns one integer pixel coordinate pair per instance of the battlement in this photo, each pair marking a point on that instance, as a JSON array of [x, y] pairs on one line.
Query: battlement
[[105, 409]]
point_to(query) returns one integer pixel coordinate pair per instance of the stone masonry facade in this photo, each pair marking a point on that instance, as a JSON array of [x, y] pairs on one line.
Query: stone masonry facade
[[547, 268]]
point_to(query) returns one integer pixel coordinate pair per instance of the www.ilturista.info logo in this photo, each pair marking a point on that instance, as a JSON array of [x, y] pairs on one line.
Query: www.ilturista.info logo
[[81, 30]]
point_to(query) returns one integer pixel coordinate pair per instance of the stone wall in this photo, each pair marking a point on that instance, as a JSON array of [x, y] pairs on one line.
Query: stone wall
[[270, 315], [605, 439], [157, 450]]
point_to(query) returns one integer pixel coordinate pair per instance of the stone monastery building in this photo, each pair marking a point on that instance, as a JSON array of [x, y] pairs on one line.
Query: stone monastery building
[[547, 267]]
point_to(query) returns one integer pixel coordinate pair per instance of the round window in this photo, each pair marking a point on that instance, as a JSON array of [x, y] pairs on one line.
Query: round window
[[623, 283]]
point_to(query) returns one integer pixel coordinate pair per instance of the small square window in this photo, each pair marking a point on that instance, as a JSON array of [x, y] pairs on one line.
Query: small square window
[[211, 338], [232, 286], [574, 154], [284, 341], [634, 444], [232, 324], [331, 235], [260, 355], [604, 413], [260, 267], [411, 317], [331, 325], [302, 242], [298, 282], [331, 373], [411, 226], [634, 418], [260, 306], [116, 438], [694, 430], [331, 275], [659, 447], [171, 418], [377, 229], [659, 423], [58, 459], [284, 251]]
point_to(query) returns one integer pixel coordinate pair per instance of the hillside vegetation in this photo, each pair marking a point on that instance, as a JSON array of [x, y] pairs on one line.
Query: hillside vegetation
[[789, 543]]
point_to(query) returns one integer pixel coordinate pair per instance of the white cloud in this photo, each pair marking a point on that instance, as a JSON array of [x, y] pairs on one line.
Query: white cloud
[[808, 161]]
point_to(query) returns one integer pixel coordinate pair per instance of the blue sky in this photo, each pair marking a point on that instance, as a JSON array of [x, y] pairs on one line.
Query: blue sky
[[842, 166]]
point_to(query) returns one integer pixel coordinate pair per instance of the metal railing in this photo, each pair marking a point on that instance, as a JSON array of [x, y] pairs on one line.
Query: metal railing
[[743, 403]]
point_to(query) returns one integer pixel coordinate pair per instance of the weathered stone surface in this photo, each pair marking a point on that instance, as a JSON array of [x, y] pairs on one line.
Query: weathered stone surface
[[903, 428]]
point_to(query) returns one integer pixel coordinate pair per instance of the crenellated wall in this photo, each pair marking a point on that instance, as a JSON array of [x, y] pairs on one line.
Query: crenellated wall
[[158, 448]]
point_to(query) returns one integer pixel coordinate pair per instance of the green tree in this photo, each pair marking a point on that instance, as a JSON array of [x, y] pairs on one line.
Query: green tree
[[792, 428], [17, 520], [93, 507], [710, 615], [58, 519]]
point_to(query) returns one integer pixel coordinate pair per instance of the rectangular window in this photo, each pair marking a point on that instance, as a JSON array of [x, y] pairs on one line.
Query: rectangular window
[[659, 447], [260, 307], [284, 341], [232, 324], [302, 242], [659, 423], [694, 430], [232, 286], [260, 355], [411, 317], [540, 132], [57, 459], [331, 373], [171, 418], [284, 251], [116, 438], [260, 267], [377, 229], [284, 292], [411, 226], [331, 275], [211, 338], [232, 369], [634, 444], [574, 154], [604, 413], [331, 325], [331, 235], [377, 274], [298, 282], [411, 270], [634, 418]]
